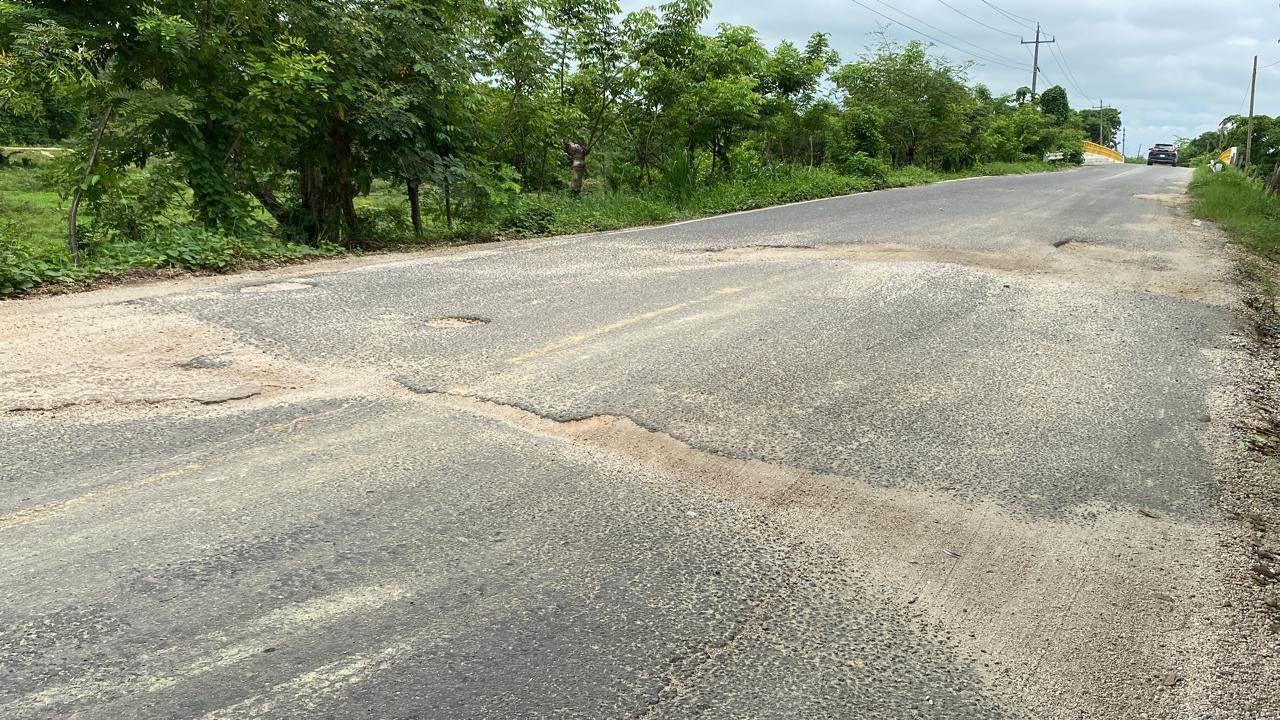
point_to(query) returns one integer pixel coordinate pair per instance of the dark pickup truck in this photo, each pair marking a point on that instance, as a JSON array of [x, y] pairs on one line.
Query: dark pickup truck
[[1163, 154]]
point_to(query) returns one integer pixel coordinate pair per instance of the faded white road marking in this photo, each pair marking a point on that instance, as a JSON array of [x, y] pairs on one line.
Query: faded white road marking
[[214, 654], [310, 689], [604, 329]]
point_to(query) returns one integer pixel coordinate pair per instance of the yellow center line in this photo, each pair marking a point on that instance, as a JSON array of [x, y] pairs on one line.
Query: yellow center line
[[44, 512], [580, 338]]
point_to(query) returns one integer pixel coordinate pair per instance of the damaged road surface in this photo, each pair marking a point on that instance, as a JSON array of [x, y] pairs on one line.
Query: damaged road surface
[[947, 452]]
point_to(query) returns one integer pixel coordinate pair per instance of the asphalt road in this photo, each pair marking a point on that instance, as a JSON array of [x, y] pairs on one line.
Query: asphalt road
[[942, 452]]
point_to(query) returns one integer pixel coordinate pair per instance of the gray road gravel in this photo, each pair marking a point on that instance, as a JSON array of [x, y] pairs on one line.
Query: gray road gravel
[[904, 454]]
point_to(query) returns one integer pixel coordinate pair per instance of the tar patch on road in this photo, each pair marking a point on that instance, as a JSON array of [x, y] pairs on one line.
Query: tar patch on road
[[454, 322]]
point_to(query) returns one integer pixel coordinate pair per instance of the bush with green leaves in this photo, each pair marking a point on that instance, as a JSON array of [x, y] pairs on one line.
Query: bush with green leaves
[[389, 224], [21, 271], [863, 165], [528, 219]]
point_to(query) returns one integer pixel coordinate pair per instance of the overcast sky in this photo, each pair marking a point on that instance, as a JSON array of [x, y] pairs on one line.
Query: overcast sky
[[1173, 67]]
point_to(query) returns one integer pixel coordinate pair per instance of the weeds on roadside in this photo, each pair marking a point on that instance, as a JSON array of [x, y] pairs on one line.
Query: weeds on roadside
[[1240, 206]]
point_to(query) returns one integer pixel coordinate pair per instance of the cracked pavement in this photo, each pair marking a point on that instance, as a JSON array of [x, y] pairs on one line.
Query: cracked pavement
[[940, 452]]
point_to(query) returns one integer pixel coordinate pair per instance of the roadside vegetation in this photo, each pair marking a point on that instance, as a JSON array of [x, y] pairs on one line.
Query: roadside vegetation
[[1240, 205], [1234, 132], [1246, 208], [212, 136]]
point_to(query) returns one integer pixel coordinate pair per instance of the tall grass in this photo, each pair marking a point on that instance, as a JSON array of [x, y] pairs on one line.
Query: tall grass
[[1241, 206]]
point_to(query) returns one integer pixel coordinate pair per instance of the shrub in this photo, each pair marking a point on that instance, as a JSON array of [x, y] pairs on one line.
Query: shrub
[[528, 219], [863, 165], [190, 246], [388, 223], [20, 270], [680, 177]]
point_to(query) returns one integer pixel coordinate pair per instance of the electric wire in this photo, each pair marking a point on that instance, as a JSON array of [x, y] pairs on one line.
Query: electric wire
[[1024, 22], [1061, 59], [935, 28], [968, 53], [976, 20]]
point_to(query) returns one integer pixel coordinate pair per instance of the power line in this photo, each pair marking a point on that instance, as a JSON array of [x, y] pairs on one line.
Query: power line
[[1261, 67], [1010, 16], [1245, 99], [1061, 61], [1024, 22], [934, 39], [985, 25], [935, 28]]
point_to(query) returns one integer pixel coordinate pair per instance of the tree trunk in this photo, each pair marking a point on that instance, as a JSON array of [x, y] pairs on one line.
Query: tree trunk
[[276, 209], [721, 153], [73, 214], [448, 203], [578, 157], [542, 173], [1274, 185], [340, 141], [320, 221], [415, 205]]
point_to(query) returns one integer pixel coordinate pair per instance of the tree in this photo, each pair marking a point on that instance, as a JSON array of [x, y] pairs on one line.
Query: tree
[[1102, 132], [919, 100], [1054, 104], [602, 76]]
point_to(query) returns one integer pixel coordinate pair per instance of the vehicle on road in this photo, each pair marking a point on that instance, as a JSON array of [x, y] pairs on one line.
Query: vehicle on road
[[1164, 154]]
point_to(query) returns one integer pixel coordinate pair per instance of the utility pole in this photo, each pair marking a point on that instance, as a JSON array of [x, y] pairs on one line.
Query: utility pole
[[1035, 61], [1253, 92], [1124, 140], [1102, 128]]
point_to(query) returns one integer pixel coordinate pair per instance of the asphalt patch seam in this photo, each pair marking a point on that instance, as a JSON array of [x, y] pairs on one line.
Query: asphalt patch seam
[[243, 392]]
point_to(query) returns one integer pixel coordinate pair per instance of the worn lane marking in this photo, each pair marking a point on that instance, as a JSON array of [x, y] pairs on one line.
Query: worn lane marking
[[1118, 175], [572, 340], [278, 624], [210, 652], [48, 510], [313, 689]]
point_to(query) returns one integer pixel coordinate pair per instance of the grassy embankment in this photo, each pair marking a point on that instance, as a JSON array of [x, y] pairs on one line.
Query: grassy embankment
[[1241, 206], [33, 223], [1251, 217]]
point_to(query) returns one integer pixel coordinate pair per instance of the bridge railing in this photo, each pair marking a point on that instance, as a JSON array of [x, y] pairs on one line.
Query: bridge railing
[[1093, 148]]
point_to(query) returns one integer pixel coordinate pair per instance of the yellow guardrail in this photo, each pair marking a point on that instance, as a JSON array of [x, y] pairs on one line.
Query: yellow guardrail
[[1094, 148]]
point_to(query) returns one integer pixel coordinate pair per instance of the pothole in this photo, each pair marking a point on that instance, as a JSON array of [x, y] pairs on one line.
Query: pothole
[[283, 286], [454, 322]]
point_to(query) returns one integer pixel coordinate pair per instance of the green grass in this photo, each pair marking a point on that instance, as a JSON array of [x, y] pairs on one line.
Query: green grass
[[31, 210], [33, 221], [1240, 206], [33, 249]]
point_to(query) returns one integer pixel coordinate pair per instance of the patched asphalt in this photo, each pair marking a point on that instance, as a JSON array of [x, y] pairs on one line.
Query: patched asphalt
[[379, 553]]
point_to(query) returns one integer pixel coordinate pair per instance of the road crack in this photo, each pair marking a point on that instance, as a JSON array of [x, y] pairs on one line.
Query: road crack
[[216, 397]]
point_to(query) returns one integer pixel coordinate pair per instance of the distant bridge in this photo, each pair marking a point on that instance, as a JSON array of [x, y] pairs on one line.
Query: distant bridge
[[1095, 154]]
